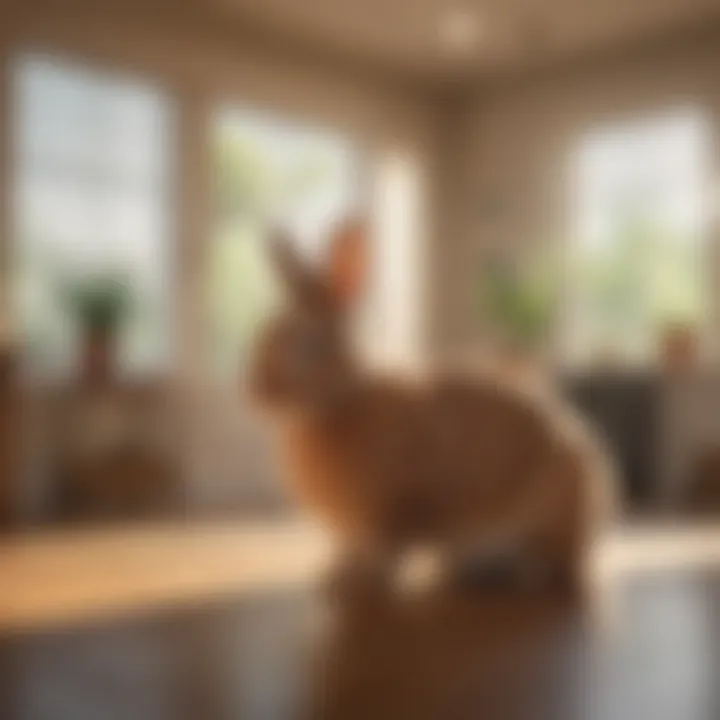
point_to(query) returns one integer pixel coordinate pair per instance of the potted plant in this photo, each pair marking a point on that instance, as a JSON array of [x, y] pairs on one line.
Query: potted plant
[[100, 304], [519, 303]]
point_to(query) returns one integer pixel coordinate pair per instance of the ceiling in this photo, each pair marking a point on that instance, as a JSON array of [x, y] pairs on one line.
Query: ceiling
[[405, 36]]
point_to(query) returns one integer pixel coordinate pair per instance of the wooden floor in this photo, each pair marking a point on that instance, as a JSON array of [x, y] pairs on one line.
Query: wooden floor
[[224, 622]]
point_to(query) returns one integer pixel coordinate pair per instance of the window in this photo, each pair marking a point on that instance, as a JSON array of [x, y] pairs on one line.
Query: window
[[91, 199], [636, 259], [266, 171]]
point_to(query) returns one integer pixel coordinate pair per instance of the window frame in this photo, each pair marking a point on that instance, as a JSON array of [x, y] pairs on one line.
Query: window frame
[[697, 113], [102, 71]]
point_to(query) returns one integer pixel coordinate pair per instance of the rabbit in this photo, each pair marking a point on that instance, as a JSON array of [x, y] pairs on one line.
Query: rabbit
[[445, 460]]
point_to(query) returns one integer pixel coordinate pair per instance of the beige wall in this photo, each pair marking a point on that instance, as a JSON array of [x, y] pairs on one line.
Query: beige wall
[[512, 147], [507, 147], [202, 64]]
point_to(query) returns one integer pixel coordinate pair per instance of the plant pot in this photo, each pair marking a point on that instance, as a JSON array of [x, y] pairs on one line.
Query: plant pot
[[680, 347], [98, 356]]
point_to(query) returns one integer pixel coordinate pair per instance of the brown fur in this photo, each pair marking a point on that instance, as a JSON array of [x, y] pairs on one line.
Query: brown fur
[[450, 460]]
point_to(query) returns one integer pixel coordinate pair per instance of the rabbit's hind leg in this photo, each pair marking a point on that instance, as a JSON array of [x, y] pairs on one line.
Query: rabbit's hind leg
[[558, 531], [361, 569], [556, 556]]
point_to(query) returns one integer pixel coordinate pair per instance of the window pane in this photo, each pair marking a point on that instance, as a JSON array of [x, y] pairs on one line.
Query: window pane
[[91, 198], [266, 171], [637, 263]]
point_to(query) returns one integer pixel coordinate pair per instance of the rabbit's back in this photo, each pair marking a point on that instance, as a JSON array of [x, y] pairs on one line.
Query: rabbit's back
[[420, 459]]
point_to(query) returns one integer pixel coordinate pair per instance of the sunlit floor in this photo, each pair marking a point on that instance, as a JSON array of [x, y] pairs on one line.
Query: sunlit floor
[[69, 576], [224, 621], [57, 577]]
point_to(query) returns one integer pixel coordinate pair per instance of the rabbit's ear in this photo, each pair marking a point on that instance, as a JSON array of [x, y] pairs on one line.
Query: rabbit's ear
[[290, 267], [348, 261]]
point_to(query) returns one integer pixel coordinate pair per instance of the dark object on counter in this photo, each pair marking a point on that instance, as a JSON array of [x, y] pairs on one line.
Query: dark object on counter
[[625, 407]]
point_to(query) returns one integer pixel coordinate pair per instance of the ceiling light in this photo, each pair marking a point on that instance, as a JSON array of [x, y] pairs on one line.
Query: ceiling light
[[459, 30]]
